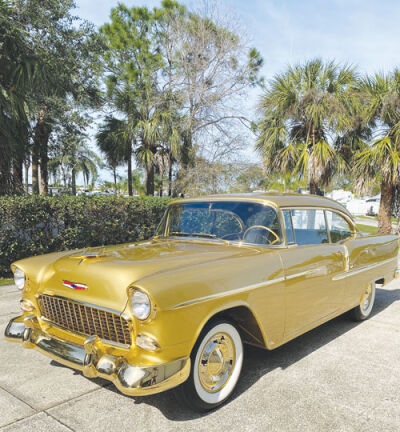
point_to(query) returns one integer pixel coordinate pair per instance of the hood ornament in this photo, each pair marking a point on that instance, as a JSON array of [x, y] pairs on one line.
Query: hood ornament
[[75, 285], [87, 255]]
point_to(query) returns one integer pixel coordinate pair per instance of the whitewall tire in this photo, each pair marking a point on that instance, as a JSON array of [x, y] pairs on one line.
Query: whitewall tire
[[367, 301], [217, 360]]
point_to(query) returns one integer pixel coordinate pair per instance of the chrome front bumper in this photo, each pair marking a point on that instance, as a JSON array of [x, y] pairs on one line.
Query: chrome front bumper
[[129, 379]]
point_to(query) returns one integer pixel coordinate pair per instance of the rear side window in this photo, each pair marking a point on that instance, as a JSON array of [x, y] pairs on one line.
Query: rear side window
[[309, 227], [339, 228], [288, 226]]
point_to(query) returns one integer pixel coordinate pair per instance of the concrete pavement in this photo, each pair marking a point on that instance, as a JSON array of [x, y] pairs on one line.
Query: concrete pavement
[[343, 376]]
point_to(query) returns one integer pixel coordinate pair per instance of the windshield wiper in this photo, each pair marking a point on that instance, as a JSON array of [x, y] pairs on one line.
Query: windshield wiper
[[179, 233]]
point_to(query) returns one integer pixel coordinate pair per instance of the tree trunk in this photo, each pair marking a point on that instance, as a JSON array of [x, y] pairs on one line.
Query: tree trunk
[[186, 150], [35, 167], [40, 150], [5, 167], [170, 178], [44, 159], [73, 181], [115, 180], [17, 177], [149, 178], [385, 207], [313, 187], [161, 187], [26, 166], [130, 189]]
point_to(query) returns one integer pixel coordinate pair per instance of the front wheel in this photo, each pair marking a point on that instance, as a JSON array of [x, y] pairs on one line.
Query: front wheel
[[216, 365], [363, 311]]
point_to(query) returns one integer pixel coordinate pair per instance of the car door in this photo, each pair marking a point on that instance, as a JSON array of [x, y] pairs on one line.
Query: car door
[[311, 263]]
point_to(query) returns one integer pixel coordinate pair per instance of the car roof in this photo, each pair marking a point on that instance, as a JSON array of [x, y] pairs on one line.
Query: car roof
[[276, 198]]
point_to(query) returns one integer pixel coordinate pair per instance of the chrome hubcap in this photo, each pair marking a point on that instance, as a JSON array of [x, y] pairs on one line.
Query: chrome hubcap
[[366, 298], [216, 362]]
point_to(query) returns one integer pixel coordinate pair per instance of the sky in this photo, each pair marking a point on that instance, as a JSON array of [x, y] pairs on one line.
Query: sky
[[362, 33]]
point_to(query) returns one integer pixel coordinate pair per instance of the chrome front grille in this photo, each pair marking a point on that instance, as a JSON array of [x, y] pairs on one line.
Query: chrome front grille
[[88, 320]]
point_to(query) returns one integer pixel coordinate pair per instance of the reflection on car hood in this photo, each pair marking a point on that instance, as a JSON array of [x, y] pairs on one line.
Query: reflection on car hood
[[109, 271]]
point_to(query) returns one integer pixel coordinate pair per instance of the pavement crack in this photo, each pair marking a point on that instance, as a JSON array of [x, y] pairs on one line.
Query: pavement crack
[[20, 399], [76, 397], [20, 420], [59, 421]]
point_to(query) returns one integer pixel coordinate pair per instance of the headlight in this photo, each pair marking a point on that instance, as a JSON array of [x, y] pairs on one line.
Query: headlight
[[19, 278], [140, 305]]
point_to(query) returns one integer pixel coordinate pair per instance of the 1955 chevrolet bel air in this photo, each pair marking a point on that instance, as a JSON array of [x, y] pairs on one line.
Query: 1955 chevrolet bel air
[[221, 271]]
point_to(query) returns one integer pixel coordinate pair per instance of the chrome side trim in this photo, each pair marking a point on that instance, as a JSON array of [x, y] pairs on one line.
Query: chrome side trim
[[230, 292], [362, 269], [319, 271]]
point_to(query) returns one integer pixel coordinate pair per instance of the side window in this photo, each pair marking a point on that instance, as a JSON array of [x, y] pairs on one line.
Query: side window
[[288, 226], [338, 227], [309, 227]]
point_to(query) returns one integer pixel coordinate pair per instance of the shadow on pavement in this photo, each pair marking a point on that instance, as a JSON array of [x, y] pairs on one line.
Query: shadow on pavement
[[259, 362]]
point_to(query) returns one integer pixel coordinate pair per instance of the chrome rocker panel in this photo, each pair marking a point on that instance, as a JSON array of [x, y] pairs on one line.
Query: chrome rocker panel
[[129, 379]]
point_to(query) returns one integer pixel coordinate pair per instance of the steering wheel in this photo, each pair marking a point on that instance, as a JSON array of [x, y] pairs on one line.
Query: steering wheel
[[231, 234], [266, 229]]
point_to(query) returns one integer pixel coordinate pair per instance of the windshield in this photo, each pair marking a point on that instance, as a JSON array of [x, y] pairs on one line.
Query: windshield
[[228, 220]]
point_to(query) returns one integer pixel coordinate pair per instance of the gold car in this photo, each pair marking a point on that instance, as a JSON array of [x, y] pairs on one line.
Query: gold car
[[221, 271]]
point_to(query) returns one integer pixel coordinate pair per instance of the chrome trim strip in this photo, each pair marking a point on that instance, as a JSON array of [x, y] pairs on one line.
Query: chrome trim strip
[[362, 269], [308, 273], [303, 273], [227, 293]]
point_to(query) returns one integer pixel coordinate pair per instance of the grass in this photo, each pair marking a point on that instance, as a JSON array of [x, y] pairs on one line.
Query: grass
[[373, 217], [367, 217], [6, 282], [367, 228]]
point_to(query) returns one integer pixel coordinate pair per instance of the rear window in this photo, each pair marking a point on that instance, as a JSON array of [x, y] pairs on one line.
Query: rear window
[[339, 228], [309, 227]]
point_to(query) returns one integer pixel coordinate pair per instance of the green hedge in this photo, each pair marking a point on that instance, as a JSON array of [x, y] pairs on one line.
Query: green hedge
[[33, 225]]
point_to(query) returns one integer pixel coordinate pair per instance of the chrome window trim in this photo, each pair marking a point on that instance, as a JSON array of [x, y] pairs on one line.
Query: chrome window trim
[[264, 203], [324, 209]]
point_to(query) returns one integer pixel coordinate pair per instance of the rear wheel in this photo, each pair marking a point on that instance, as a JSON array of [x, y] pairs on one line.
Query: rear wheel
[[363, 311], [216, 365]]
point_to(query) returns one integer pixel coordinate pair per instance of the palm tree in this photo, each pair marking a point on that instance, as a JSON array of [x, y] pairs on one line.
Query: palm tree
[[19, 73], [381, 159], [303, 110], [113, 140], [72, 158]]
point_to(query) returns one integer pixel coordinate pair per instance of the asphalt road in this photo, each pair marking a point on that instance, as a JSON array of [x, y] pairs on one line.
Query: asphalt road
[[342, 376]]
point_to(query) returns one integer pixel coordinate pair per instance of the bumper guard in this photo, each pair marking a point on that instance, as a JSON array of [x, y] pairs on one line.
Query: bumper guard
[[129, 379]]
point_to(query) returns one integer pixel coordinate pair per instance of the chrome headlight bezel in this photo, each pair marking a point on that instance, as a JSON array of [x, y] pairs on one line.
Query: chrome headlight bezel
[[19, 278], [140, 304]]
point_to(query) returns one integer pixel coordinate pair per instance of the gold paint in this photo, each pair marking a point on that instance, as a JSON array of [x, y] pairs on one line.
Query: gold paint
[[279, 292]]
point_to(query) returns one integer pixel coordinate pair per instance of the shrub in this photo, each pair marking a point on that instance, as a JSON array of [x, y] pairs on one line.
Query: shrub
[[33, 225]]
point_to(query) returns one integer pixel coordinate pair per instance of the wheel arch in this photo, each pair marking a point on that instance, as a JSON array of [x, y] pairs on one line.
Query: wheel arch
[[244, 317]]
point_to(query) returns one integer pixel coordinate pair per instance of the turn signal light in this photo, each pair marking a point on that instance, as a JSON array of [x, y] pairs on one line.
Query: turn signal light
[[26, 306], [147, 343]]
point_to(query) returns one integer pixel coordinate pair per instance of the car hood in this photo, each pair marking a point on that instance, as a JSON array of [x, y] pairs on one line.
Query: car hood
[[109, 271]]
